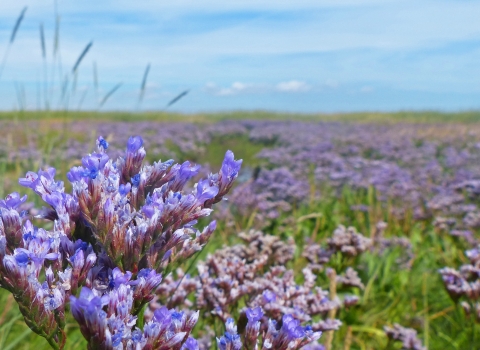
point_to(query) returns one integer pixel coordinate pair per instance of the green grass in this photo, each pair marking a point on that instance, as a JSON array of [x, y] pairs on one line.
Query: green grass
[[433, 117]]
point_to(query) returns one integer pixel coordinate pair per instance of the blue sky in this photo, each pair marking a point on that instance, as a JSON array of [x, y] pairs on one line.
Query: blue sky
[[303, 55]]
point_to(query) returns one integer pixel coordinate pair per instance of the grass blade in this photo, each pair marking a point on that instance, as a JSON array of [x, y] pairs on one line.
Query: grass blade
[[178, 97], [110, 93], [82, 55], [144, 82], [45, 72], [12, 39], [6, 327], [80, 103], [18, 339], [42, 41], [17, 25], [56, 38]]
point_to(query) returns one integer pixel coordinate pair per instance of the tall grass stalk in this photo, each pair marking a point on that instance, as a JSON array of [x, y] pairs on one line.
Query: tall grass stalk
[[81, 57], [56, 56], [332, 275], [82, 98], [426, 324], [177, 98], [12, 39], [75, 69], [64, 93], [109, 94], [143, 86], [45, 72]]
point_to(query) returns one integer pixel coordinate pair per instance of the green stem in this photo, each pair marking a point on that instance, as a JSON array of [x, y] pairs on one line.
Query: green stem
[[473, 318], [141, 317]]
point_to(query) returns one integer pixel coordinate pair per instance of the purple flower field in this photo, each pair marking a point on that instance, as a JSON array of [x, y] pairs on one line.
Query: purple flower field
[[326, 235]]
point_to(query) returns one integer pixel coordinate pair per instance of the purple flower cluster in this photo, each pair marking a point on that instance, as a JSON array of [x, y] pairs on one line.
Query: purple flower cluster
[[122, 225], [288, 334], [107, 323], [253, 273], [464, 284], [407, 336]]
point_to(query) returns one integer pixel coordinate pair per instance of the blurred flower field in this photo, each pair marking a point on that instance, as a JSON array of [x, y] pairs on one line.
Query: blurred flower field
[[364, 226]]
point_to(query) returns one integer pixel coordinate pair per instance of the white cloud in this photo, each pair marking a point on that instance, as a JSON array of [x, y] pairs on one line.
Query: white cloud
[[238, 88], [293, 86], [235, 89]]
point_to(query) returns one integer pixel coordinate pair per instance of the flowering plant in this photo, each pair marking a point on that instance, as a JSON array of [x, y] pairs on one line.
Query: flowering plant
[[123, 226]]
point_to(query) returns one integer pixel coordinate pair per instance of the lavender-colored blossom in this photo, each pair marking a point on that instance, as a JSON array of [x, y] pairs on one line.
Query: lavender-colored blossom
[[230, 169], [254, 315], [269, 296], [93, 164], [205, 191], [190, 344], [231, 339], [134, 144], [102, 144], [12, 201], [407, 336]]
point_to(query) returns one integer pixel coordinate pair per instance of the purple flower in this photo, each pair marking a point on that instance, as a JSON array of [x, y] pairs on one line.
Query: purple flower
[[149, 280], [136, 180], [37, 252], [205, 191], [187, 171], [43, 182], [137, 336], [134, 144], [94, 163], [145, 284], [254, 315], [12, 201], [123, 190], [163, 317], [183, 173], [231, 339], [22, 258], [102, 143], [54, 199], [230, 166], [118, 278], [29, 180], [87, 304], [269, 296], [292, 328], [76, 173], [190, 344], [148, 211]]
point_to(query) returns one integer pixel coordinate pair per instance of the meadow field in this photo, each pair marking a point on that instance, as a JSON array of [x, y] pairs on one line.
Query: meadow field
[[373, 218]]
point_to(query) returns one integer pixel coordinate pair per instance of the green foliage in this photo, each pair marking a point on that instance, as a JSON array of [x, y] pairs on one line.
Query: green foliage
[[429, 117]]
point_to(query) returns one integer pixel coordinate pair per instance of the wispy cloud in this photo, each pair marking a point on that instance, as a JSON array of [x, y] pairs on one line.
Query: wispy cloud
[[293, 86], [239, 87], [236, 88]]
